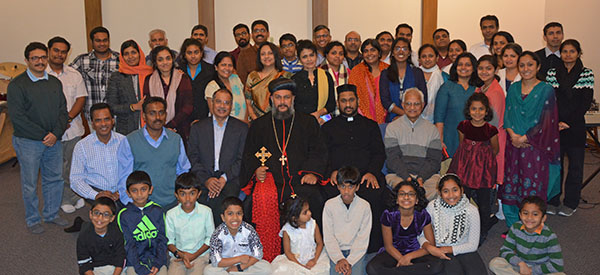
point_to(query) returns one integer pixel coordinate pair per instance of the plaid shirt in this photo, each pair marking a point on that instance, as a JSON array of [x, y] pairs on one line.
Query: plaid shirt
[[95, 73]]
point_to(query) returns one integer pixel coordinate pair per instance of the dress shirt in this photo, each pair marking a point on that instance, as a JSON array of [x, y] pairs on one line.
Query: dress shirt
[[480, 49], [209, 55], [95, 165], [95, 73], [549, 52], [73, 88], [125, 158], [219, 132], [35, 78], [224, 245], [189, 231]]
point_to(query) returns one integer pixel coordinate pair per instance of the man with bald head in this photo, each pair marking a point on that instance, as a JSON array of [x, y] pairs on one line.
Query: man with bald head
[[413, 146], [352, 43], [157, 37]]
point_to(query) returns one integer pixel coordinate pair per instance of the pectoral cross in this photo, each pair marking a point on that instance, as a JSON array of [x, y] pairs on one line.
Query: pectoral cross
[[283, 159], [262, 155]]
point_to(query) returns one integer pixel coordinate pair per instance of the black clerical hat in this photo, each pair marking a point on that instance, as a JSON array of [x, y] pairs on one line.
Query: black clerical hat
[[346, 88], [282, 84]]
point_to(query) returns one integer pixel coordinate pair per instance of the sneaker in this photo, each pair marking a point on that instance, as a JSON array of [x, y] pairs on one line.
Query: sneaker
[[552, 210], [36, 228], [59, 221], [67, 208], [566, 211], [79, 204], [76, 227]]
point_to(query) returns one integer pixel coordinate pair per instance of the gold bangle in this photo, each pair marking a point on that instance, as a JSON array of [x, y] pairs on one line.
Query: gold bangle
[[131, 107]]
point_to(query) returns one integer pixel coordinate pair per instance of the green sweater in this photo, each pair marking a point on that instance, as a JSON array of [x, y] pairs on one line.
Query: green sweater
[[540, 251], [37, 108]]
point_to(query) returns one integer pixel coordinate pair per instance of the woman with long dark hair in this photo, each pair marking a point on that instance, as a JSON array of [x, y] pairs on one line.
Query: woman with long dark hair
[[398, 77], [124, 92], [199, 71], [226, 79], [175, 87], [574, 87], [451, 99]]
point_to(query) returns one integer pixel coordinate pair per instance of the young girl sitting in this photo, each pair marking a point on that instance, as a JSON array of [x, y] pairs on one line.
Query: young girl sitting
[[456, 228], [302, 242], [401, 227], [475, 159]]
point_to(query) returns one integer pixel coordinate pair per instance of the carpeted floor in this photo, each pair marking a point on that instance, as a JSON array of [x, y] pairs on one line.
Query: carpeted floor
[[54, 251]]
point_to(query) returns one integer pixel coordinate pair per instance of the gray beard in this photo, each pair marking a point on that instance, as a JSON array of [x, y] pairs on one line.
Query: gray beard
[[283, 115]]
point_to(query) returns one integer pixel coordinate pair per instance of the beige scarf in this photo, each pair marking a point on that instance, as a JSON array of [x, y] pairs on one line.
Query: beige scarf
[[156, 89]]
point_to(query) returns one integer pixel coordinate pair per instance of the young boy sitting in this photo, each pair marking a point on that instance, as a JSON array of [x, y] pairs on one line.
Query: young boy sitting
[[143, 225], [100, 243], [530, 246], [235, 246], [347, 225], [189, 227]]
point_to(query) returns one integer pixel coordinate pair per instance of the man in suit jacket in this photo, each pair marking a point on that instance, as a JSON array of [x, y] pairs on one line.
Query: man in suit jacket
[[215, 150]]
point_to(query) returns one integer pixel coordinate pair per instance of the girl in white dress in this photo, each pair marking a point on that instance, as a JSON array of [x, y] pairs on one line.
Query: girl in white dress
[[302, 242]]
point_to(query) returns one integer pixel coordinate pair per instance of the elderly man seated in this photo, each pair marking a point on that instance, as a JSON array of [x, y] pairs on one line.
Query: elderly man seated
[[413, 146]]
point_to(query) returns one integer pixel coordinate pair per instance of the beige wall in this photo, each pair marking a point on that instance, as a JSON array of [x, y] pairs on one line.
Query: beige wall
[[175, 17], [369, 18], [29, 20], [580, 22], [523, 19], [283, 17], [25, 21]]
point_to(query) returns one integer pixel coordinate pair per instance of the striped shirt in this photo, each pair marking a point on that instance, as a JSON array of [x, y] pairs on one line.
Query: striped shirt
[[293, 66], [95, 165], [95, 73], [539, 250]]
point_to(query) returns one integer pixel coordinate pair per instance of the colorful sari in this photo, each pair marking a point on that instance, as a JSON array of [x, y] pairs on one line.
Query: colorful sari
[[534, 170], [369, 101], [257, 90]]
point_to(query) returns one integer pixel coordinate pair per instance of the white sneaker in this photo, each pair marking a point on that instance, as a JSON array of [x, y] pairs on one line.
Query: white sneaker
[[79, 204], [67, 208]]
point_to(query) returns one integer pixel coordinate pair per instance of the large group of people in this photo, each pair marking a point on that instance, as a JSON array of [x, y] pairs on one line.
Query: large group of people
[[307, 157]]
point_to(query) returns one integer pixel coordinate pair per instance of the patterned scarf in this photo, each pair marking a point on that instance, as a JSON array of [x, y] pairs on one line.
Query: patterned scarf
[[156, 89], [450, 221], [342, 73]]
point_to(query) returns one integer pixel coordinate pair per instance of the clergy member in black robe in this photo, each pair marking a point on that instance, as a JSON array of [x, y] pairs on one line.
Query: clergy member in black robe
[[298, 156], [354, 140]]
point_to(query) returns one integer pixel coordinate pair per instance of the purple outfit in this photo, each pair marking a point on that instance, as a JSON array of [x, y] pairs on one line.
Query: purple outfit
[[405, 240]]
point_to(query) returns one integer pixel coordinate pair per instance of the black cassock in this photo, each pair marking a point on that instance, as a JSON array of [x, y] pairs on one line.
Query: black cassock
[[357, 142], [306, 153]]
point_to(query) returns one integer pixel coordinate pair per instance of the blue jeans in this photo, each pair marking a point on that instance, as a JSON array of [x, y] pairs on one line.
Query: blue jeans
[[357, 269], [34, 156]]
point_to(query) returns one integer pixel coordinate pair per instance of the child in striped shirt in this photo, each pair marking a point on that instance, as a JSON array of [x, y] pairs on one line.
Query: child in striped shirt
[[530, 246]]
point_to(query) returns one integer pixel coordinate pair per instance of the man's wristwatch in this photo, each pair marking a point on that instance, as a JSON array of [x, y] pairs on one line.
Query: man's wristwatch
[[239, 267], [176, 254]]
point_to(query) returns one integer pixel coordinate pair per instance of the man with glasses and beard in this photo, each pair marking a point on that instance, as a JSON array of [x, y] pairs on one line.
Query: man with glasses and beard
[[295, 166], [354, 140], [241, 34], [246, 60]]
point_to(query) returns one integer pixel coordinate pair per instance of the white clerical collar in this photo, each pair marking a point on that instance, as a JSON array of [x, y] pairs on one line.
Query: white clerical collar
[[549, 52]]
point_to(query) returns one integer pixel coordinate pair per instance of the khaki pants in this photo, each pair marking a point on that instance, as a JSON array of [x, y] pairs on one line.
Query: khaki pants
[[261, 267], [500, 266], [178, 268], [104, 270], [131, 271]]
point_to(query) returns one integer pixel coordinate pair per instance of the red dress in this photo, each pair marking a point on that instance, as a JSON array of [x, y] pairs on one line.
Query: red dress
[[474, 161]]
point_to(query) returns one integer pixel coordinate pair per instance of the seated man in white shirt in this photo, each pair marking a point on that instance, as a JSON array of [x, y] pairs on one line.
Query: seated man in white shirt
[[489, 26], [94, 168]]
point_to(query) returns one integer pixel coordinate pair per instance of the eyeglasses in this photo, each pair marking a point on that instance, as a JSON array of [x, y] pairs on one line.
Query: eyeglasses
[[353, 39], [285, 46], [241, 34], [36, 58], [409, 194], [260, 30], [404, 49], [105, 215], [321, 36]]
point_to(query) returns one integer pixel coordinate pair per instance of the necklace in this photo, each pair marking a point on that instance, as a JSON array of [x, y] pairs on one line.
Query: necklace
[[283, 157]]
